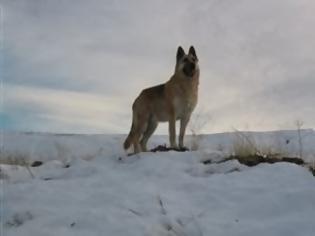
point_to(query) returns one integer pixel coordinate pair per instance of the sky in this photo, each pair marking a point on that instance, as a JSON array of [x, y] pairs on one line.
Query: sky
[[77, 66]]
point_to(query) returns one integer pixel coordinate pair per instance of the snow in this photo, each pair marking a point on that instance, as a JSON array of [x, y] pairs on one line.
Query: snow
[[87, 186]]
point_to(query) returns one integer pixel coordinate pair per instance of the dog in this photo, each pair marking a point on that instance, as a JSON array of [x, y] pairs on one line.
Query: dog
[[168, 102]]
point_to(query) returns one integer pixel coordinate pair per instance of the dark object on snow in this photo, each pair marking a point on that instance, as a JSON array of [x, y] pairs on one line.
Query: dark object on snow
[[36, 163], [295, 160], [47, 178], [253, 160], [208, 162], [19, 219], [312, 170], [163, 148], [257, 159]]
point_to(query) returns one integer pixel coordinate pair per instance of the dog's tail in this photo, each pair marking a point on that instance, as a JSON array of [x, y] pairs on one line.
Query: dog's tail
[[131, 134]]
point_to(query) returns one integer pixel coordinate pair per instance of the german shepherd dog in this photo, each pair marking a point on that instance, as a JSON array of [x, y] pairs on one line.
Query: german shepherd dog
[[171, 101]]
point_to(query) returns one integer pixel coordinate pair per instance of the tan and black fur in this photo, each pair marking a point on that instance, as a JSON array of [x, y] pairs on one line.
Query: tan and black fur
[[174, 100]]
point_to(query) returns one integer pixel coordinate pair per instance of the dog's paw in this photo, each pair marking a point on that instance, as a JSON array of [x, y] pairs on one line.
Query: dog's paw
[[182, 149]]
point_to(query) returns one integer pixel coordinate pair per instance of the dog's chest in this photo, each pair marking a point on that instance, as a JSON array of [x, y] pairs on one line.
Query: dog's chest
[[184, 105]]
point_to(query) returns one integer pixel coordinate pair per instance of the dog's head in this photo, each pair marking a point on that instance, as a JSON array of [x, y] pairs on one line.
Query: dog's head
[[187, 64]]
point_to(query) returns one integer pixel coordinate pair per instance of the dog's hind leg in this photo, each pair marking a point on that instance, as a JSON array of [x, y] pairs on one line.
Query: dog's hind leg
[[151, 127]]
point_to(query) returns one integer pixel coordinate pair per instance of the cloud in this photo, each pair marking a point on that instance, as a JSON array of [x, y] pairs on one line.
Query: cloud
[[256, 58], [68, 110]]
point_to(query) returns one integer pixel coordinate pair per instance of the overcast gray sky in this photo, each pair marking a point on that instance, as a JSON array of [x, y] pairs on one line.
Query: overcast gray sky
[[76, 66]]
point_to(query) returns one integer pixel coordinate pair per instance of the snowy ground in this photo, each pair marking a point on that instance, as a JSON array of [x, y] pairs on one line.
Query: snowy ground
[[85, 188]]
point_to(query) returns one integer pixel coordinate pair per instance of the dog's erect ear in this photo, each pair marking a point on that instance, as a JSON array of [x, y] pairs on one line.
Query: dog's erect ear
[[192, 51], [180, 53]]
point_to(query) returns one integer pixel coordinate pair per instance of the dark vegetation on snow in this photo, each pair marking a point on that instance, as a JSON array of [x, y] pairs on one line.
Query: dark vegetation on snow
[[249, 160]]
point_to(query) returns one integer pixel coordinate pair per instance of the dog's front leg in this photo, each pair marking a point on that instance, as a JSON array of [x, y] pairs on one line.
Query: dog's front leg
[[172, 130], [183, 124]]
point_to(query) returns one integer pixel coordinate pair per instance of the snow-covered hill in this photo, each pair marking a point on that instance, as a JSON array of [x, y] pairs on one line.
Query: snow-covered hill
[[87, 186]]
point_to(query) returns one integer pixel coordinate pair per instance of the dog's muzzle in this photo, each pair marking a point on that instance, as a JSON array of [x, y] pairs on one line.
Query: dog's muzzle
[[189, 69]]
